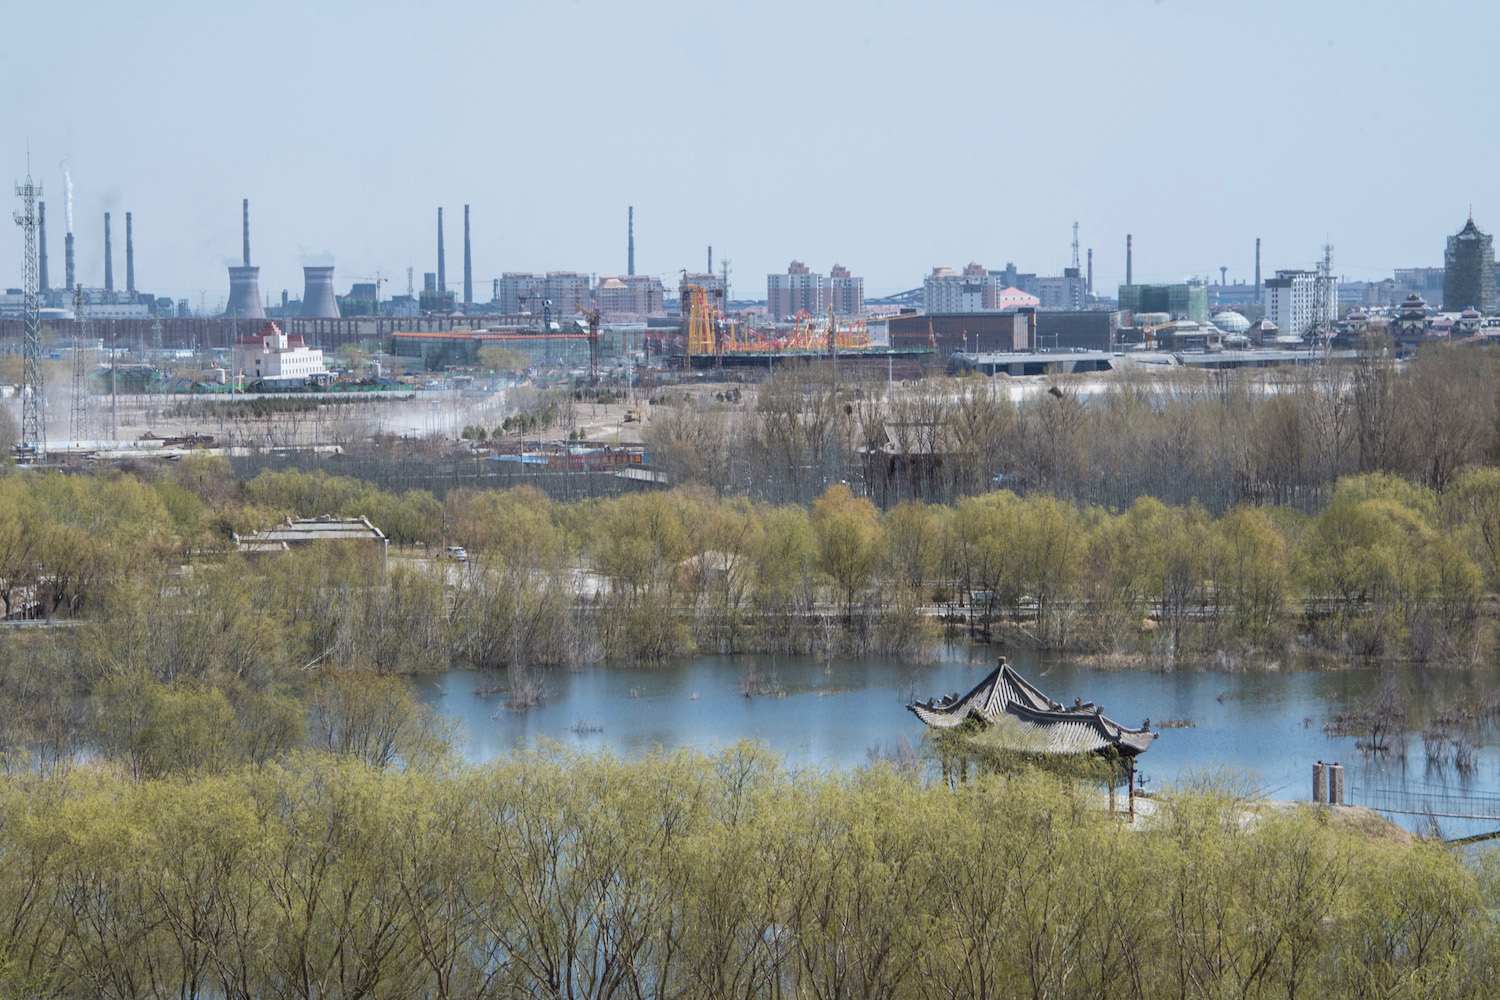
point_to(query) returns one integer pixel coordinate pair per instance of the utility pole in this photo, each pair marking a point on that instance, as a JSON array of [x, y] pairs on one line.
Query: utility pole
[[33, 400]]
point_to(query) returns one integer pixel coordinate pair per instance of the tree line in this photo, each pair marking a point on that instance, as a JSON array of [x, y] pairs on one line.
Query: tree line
[[553, 874], [1216, 438]]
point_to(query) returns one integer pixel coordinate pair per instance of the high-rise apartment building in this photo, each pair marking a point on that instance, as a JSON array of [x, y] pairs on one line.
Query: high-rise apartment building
[[972, 290], [846, 293], [1469, 270], [629, 295], [1290, 300], [796, 291]]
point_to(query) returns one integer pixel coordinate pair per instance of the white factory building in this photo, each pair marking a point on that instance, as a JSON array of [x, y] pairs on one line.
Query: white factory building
[[273, 356]]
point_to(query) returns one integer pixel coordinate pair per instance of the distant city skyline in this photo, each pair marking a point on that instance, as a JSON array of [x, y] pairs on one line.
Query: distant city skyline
[[911, 136]]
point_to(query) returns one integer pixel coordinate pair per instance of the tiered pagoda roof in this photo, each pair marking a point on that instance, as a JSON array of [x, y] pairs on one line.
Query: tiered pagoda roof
[[1041, 724]]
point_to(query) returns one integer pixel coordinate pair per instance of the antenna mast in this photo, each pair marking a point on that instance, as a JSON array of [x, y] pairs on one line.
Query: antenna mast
[[33, 402], [1325, 306]]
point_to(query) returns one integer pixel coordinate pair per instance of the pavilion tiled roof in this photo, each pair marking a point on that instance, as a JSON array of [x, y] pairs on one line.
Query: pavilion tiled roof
[[1039, 722]]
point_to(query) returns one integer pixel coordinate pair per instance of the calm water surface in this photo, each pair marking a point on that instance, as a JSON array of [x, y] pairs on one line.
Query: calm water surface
[[1268, 724]]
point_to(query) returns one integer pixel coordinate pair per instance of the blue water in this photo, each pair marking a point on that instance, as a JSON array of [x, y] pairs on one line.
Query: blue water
[[1265, 728]]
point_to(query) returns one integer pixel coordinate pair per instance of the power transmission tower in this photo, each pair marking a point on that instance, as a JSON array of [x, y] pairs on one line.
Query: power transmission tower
[[1325, 309], [1075, 290], [33, 402], [83, 351]]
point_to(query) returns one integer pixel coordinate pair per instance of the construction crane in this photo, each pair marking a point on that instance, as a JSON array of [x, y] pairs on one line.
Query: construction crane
[[593, 316]]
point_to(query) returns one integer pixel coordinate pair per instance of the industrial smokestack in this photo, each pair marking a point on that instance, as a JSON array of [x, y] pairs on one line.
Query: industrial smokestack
[[318, 300], [442, 279], [68, 259], [630, 253], [41, 235], [109, 268], [129, 256], [468, 265], [1129, 277], [1091, 271], [1257, 268], [710, 260], [247, 231]]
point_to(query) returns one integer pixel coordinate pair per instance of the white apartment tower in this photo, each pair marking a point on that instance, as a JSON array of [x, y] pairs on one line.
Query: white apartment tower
[[1291, 298]]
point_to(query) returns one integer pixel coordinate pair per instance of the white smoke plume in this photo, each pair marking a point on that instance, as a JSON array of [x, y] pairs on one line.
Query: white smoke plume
[[68, 183]]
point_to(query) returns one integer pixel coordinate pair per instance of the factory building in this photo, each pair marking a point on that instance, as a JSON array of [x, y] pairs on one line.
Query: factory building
[[1188, 300], [799, 290], [1469, 270]]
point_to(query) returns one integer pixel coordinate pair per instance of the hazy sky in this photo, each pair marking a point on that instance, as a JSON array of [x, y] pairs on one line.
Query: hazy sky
[[885, 136]]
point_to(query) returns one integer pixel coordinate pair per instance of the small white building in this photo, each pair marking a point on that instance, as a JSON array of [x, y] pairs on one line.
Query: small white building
[[272, 355]]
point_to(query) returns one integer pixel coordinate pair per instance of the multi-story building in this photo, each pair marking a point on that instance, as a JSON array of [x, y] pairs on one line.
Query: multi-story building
[[846, 293], [970, 291], [715, 285], [1185, 301], [565, 289], [629, 295], [1063, 291], [1290, 299], [515, 288], [796, 291], [1469, 270], [273, 356]]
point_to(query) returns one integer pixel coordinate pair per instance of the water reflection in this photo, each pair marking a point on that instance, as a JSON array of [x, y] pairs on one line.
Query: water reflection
[[1268, 723]]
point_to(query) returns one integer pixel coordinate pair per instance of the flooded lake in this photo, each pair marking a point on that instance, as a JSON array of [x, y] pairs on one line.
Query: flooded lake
[[1269, 724]]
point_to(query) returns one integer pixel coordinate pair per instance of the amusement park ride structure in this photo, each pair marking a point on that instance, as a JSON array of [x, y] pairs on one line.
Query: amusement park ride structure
[[711, 333]]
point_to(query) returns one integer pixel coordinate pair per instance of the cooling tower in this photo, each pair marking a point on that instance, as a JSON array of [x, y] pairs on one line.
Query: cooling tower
[[318, 300], [41, 235], [244, 284], [109, 267], [468, 265], [244, 294], [68, 258], [129, 256]]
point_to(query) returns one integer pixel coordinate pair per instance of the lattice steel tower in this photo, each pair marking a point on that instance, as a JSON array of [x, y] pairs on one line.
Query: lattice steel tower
[[33, 402], [83, 351]]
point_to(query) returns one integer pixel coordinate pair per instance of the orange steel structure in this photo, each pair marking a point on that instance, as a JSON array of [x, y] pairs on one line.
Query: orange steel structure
[[710, 332]]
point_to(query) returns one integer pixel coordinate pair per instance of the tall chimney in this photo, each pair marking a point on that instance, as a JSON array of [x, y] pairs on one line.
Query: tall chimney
[[630, 259], [710, 260], [244, 283], [109, 269], [68, 259], [1091, 271], [1128, 275], [442, 278], [41, 236], [1257, 268], [129, 256], [468, 265]]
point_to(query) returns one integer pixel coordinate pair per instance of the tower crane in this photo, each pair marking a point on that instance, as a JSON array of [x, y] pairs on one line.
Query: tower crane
[[593, 316]]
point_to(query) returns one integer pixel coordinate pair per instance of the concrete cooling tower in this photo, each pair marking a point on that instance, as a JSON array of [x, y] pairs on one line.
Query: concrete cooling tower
[[244, 284], [318, 300]]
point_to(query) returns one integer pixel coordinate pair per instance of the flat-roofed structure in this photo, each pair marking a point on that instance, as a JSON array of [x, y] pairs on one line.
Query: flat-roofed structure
[[311, 531]]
